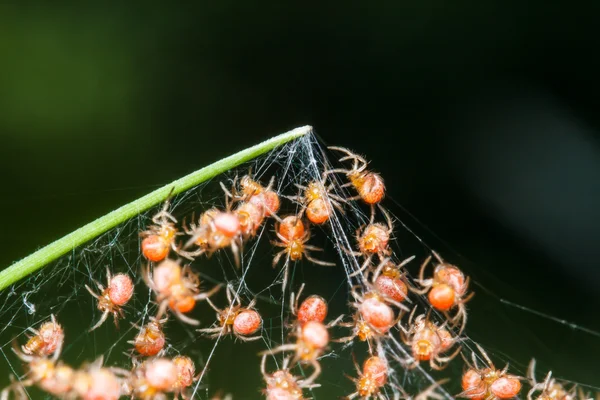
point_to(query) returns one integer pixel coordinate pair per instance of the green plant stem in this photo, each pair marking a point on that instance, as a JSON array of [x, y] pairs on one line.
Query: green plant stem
[[95, 228]]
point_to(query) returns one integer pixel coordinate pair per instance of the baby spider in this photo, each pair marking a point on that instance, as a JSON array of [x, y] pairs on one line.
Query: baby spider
[[251, 217], [93, 382], [216, 230], [390, 281], [388, 288], [281, 384], [151, 379], [313, 308], [549, 389], [151, 339], [372, 378], [447, 289], [46, 339], [427, 341], [293, 235], [117, 293], [253, 192], [369, 185], [488, 382], [186, 371], [312, 339], [48, 374], [317, 202], [159, 239], [176, 288], [235, 319], [372, 239], [373, 317]]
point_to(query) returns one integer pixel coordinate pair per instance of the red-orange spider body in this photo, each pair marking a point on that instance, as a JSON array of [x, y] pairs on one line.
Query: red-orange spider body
[[176, 288], [258, 194], [427, 341], [159, 239], [372, 378], [373, 317], [488, 382], [57, 380], [447, 289], [281, 384], [373, 240], [253, 192], [151, 379], [394, 288], [251, 217], [389, 281], [226, 224], [317, 202], [48, 374], [186, 371], [313, 308], [291, 228], [255, 203], [550, 388], [151, 338], [312, 338], [295, 247], [215, 230], [46, 340], [240, 321], [112, 298], [368, 184], [53, 378], [96, 383], [375, 312]]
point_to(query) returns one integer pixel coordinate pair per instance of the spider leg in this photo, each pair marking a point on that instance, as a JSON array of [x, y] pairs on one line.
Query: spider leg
[[315, 374], [294, 299], [92, 292], [426, 285], [397, 304], [190, 255], [210, 303], [248, 339], [285, 275], [335, 322], [345, 339], [363, 267], [100, 321], [186, 319], [337, 171], [206, 295], [278, 256], [319, 262], [312, 248], [280, 349], [211, 330], [34, 331], [24, 357], [162, 308]]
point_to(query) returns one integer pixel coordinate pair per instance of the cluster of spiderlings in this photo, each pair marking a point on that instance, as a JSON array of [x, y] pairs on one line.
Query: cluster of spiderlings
[[41, 354], [425, 315]]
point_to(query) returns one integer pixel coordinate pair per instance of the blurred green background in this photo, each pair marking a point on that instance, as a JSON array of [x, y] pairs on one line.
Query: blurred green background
[[481, 116]]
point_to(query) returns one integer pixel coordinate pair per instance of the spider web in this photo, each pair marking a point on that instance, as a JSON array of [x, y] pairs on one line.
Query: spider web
[[226, 365]]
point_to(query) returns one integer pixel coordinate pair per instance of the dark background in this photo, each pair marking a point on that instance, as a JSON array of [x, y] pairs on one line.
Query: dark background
[[481, 116]]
